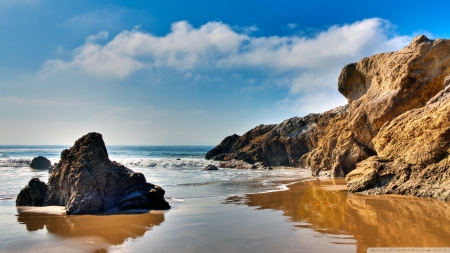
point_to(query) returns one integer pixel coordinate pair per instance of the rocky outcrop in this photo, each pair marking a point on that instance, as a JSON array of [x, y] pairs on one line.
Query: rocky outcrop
[[321, 142], [381, 87], [392, 137], [413, 154], [40, 163], [32, 194], [85, 181]]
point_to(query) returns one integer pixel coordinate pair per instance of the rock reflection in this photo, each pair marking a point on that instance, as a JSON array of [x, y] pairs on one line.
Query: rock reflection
[[113, 229], [374, 221]]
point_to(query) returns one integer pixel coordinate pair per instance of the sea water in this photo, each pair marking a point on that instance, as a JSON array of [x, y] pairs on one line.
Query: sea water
[[177, 169]]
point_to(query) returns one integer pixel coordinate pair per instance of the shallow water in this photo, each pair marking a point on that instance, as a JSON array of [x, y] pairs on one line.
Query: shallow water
[[178, 169], [370, 221], [312, 216], [213, 211]]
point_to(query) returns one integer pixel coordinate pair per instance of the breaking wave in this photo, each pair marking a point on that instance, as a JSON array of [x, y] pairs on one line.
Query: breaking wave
[[165, 162]]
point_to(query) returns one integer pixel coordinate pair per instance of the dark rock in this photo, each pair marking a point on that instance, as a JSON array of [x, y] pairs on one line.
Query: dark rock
[[211, 167], [33, 194], [310, 142], [238, 164], [235, 164], [145, 195], [224, 147], [85, 181], [50, 170], [40, 163]]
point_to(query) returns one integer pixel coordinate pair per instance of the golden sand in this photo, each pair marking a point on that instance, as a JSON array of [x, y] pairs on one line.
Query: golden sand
[[313, 216]]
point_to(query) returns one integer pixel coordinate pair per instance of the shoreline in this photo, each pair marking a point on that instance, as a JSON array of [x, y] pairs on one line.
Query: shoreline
[[275, 221]]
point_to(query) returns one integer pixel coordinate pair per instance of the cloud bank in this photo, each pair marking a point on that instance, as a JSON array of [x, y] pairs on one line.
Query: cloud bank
[[307, 65]]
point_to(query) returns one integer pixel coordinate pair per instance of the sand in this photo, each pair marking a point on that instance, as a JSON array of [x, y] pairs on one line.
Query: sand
[[313, 216]]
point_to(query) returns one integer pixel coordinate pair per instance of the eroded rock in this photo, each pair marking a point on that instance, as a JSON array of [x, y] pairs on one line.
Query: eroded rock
[[381, 87], [413, 154], [321, 142], [32, 194], [85, 181]]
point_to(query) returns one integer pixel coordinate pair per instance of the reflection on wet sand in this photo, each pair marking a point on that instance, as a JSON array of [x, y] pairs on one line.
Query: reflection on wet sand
[[374, 221], [112, 229]]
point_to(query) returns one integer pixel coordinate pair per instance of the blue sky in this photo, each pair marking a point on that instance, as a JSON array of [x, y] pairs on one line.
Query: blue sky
[[185, 72]]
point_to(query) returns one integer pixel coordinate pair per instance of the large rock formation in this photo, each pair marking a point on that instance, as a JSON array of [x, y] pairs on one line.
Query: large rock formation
[[321, 142], [381, 87], [397, 114], [413, 154], [86, 181]]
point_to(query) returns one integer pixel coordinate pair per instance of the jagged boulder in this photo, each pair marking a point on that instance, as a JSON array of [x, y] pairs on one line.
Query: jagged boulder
[[40, 163], [321, 142], [381, 87], [32, 194], [413, 154], [85, 181]]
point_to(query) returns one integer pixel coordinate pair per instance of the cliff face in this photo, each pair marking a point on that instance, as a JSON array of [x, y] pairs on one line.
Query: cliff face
[[413, 154], [381, 87], [397, 114], [308, 142]]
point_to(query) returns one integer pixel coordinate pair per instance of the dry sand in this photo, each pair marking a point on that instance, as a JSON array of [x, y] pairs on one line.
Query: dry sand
[[313, 216]]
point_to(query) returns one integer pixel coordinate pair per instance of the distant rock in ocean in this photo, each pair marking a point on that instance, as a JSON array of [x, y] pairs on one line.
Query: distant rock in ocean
[[392, 137], [85, 181], [211, 167], [40, 163]]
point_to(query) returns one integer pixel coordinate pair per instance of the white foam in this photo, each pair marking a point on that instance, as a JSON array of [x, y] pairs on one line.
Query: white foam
[[165, 162], [20, 161]]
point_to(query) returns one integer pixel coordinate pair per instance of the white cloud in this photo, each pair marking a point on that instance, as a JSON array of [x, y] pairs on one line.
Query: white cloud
[[292, 25], [99, 36], [304, 64]]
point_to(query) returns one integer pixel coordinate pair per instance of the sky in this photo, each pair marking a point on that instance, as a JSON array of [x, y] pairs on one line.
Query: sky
[[185, 72]]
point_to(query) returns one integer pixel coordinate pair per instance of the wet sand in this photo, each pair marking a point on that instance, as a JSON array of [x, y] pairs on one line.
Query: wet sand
[[313, 216]]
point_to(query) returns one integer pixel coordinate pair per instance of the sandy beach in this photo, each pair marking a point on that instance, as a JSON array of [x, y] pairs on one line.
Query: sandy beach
[[311, 216]]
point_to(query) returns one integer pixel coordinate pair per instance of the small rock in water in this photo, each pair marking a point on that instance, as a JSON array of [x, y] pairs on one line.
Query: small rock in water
[[40, 163], [211, 167]]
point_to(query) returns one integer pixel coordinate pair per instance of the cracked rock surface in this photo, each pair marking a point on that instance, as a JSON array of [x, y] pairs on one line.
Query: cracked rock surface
[[85, 181]]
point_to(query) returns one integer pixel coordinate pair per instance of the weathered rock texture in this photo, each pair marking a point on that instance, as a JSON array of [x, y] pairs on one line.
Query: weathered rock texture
[[32, 194], [238, 164], [86, 181], [397, 114], [413, 154], [40, 163], [381, 87], [321, 142]]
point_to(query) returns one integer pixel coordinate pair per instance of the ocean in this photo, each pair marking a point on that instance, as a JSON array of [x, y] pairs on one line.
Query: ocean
[[229, 210], [178, 169]]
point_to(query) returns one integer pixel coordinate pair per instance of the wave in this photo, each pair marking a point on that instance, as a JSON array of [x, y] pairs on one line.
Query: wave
[[166, 162], [17, 162]]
